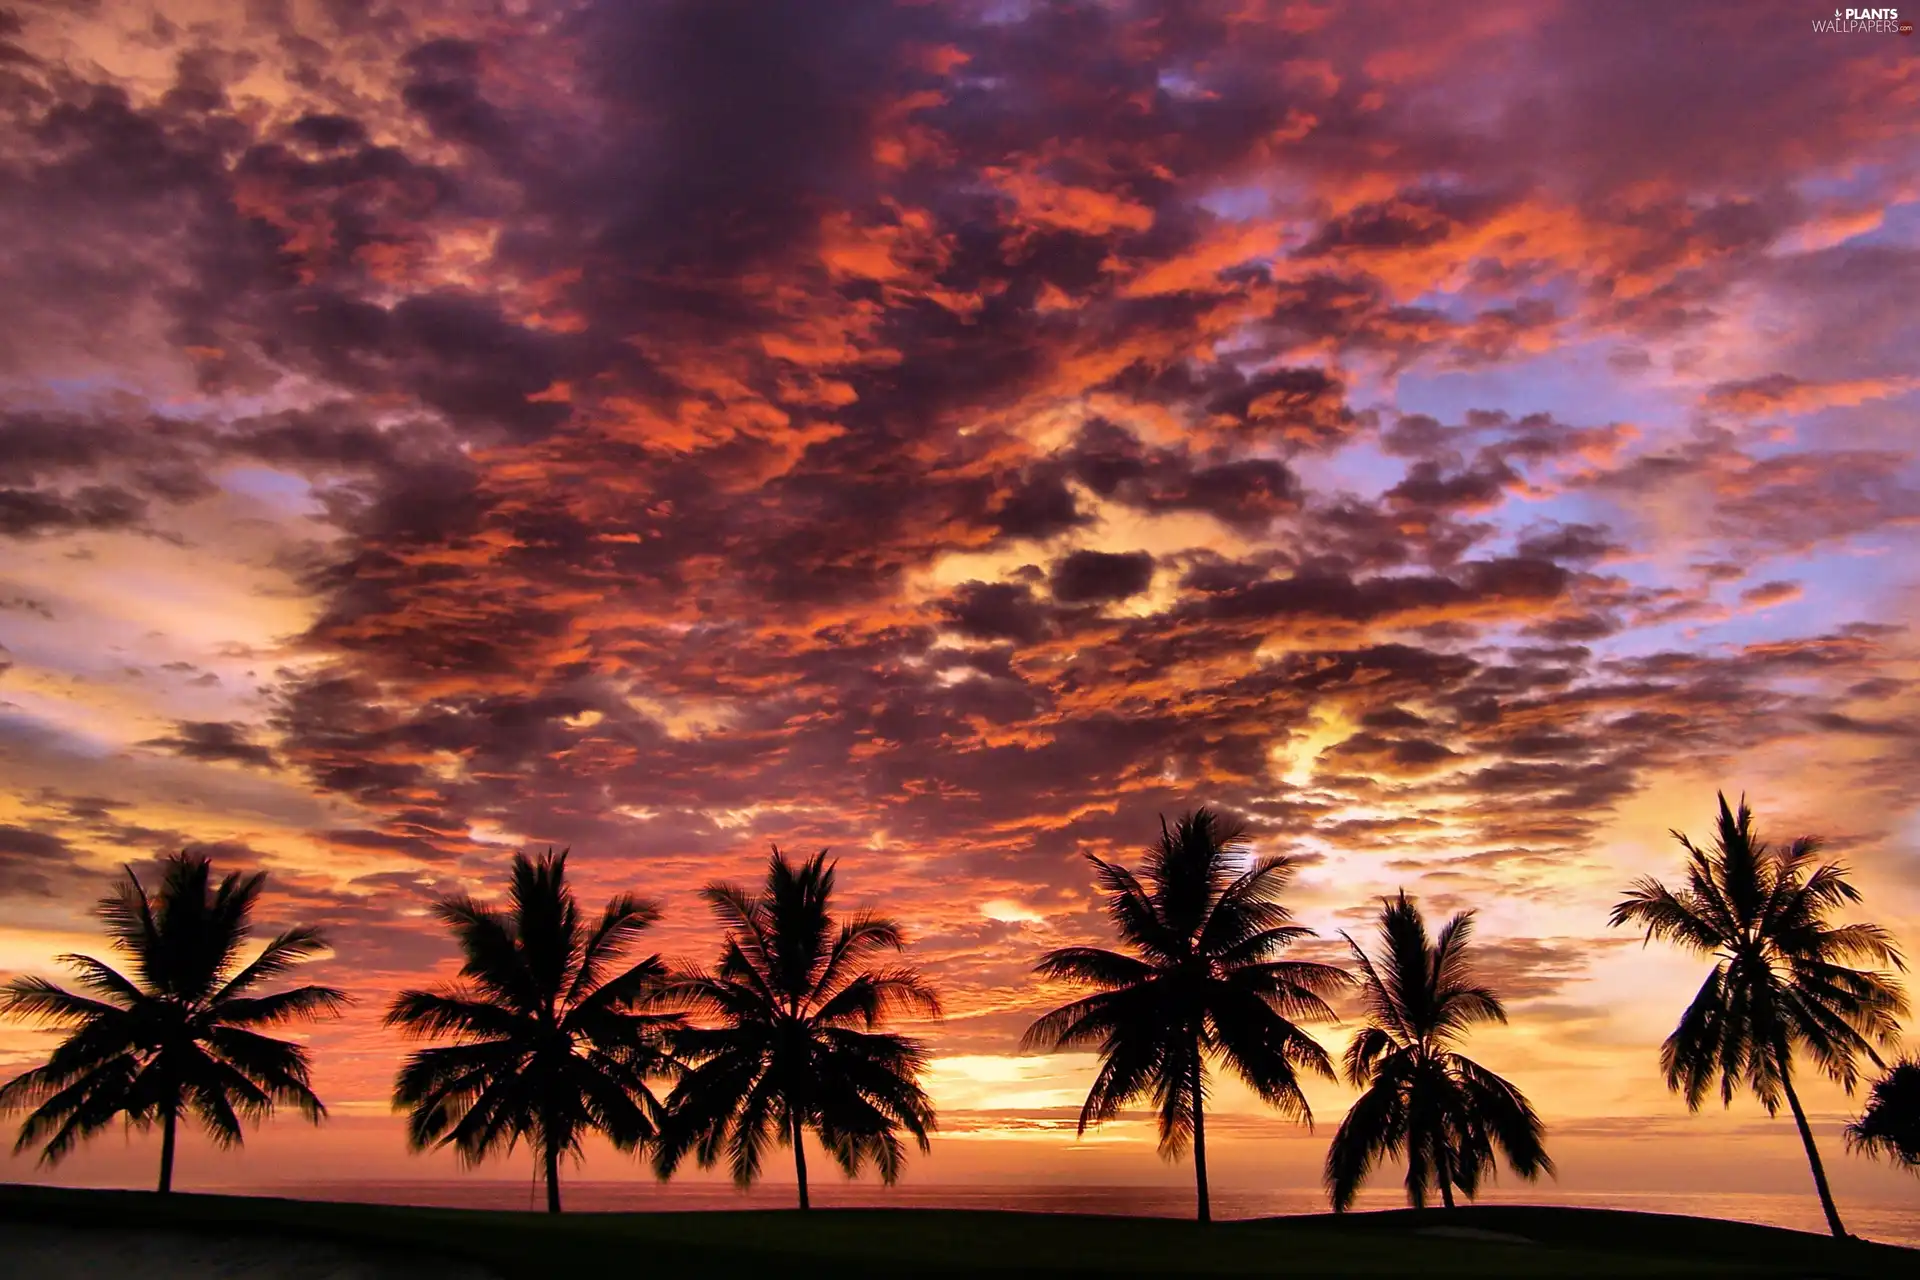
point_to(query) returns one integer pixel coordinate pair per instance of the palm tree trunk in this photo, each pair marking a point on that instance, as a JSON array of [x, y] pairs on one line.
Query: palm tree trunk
[[1200, 1142], [1446, 1173], [1813, 1157], [800, 1160], [553, 1178], [168, 1129]]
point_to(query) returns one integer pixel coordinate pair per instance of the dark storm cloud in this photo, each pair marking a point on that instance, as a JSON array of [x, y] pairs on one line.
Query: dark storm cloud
[[1575, 543], [1095, 576], [216, 741], [1426, 486], [34, 863], [1243, 493], [25, 512], [94, 472]]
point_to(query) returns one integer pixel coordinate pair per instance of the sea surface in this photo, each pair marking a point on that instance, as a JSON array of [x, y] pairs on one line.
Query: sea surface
[[1896, 1222]]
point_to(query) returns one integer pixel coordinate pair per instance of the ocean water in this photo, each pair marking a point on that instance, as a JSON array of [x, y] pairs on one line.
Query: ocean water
[[1896, 1222]]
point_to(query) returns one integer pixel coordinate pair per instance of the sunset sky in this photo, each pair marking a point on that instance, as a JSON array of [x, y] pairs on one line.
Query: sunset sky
[[1454, 439]]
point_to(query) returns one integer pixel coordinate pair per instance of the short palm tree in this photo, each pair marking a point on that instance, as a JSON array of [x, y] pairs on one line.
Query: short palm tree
[[552, 1037], [1779, 982], [1202, 983], [181, 1037], [1444, 1113], [1890, 1126], [797, 1045]]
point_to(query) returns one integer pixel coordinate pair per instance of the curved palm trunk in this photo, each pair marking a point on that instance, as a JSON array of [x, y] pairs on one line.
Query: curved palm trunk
[[1205, 1208], [169, 1129], [800, 1160], [1813, 1158], [1445, 1168], [553, 1179]]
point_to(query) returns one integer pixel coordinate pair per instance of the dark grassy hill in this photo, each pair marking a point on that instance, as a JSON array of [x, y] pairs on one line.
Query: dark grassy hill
[[1493, 1240]]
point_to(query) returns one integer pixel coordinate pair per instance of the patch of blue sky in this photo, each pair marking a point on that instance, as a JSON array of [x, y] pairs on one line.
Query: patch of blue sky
[[1575, 383], [1886, 423], [1238, 204], [74, 393], [1362, 467], [1005, 13], [277, 489], [1854, 183], [1181, 84], [1861, 186], [1837, 587], [1444, 301], [232, 407], [1899, 227], [79, 394]]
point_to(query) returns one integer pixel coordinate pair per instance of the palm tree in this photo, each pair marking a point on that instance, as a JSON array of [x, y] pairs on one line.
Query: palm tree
[[797, 1045], [1445, 1113], [549, 1043], [1202, 984], [180, 1037], [1778, 982], [1890, 1126]]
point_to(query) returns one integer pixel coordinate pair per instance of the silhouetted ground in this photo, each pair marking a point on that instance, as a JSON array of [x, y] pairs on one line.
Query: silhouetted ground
[[444, 1244]]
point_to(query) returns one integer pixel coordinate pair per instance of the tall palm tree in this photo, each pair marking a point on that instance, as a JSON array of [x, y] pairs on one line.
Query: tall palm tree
[[1203, 983], [1778, 981], [1890, 1126], [181, 1037], [552, 1038], [1424, 1100], [798, 1046]]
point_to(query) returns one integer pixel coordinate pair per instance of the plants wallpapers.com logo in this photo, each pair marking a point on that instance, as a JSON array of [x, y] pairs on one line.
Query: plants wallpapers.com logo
[[1864, 22]]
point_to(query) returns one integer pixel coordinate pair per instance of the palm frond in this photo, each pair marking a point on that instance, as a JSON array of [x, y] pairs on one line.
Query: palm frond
[[1508, 1120], [83, 1108], [621, 923], [870, 997], [747, 928], [455, 1011], [51, 1005], [1363, 1058], [1889, 1127], [1668, 917], [490, 953], [1109, 970], [297, 1004], [285, 951], [104, 980], [1266, 1050], [1134, 916], [127, 913], [1375, 1127], [1093, 1018], [861, 938]]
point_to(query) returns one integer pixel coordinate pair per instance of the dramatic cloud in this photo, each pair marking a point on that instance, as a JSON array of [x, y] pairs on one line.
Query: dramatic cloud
[[206, 740], [1451, 439]]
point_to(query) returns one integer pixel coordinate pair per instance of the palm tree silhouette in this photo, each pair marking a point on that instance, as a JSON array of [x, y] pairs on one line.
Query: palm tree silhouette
[[1203, 983], [1778, 982], [797, 1046], [1890, 1125], [549, 1043], [1445, 1113], [179, 1038]]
